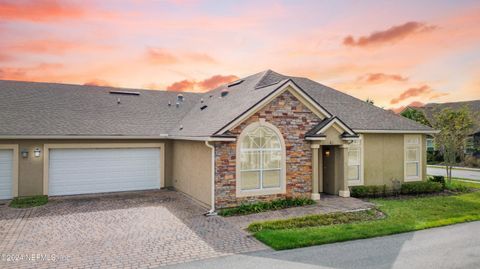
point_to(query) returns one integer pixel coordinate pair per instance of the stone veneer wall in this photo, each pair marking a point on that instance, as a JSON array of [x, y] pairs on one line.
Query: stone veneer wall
[[293, 119]]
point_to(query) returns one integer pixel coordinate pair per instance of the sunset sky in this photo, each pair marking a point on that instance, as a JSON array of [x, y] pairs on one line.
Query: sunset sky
[[392, 52]]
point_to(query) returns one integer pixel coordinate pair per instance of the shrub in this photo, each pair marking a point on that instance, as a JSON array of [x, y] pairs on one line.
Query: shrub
[[439, 179], [29, 201], [421, 187], [372, 191], [245, 209], [456, 187]]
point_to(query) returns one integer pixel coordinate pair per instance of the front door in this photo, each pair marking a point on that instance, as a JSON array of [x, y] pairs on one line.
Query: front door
[[328, 169]]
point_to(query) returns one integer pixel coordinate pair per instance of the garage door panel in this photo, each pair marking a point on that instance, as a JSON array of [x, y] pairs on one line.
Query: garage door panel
[[6, 174], [78, 171]]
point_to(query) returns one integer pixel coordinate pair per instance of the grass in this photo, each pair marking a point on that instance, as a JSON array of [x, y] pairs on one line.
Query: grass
[[29, 201], [469, 184], [402, 215], [315, 220], [246, 209]]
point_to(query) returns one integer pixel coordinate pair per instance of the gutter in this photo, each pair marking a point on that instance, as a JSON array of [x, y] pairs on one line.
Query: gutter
[[397, 131], [190, 138], [212, 212]]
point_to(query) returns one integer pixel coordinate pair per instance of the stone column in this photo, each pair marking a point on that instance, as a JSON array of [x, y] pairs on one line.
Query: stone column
[[344, 190], [315, 194]]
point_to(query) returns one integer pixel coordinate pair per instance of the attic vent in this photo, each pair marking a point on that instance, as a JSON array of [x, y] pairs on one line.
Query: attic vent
[[224, 93], [180, 97], [235, 83], [124, 92], [203, 107]]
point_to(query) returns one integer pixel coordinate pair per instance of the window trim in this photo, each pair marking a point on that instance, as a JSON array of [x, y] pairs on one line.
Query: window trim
[[268, 191], [419, 148], [361, 181]]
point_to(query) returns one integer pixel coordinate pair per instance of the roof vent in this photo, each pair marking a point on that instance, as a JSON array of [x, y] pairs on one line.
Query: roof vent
[[169, 103], [203, 107], [224, 93], [124, 92], [177, 104], [201, 101], [118, 101], [181, 127], [180, 98], [235, 83]]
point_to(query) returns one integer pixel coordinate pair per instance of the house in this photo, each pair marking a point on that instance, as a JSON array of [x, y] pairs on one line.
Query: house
[[472, 145], [262, 137]]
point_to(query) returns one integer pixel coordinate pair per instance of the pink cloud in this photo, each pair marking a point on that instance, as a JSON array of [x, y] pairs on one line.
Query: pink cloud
[[46, 10], [215, 81], [381, 77], [97, 82], [390, 35], [161, 56], [203, 85], [412, 92]]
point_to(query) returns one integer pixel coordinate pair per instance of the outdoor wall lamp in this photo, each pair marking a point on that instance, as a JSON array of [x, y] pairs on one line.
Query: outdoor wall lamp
[[24, 153], [37, 152], [327, 153]]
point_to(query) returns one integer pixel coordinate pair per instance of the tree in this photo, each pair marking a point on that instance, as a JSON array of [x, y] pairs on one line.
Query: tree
[[454, 127], [415, 115]]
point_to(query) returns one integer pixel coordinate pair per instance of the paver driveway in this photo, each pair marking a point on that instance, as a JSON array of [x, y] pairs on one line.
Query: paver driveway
[[130, 230]]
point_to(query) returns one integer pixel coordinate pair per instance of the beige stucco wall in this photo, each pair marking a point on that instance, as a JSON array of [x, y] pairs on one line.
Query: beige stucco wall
[[30, 172], [384, 158], [191, 173]]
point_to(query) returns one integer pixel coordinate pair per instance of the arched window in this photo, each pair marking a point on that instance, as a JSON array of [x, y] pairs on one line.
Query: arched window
[[261, 162]]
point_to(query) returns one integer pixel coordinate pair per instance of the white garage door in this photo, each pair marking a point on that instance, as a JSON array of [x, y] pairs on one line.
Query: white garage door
[[78, 171], [6, 174]]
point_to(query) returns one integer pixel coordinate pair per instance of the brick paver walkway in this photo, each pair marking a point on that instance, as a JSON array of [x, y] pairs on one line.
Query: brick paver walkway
[[327, 204], [129, 230]]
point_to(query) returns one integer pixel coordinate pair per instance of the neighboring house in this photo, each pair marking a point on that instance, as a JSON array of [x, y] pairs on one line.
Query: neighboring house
[[262, 137], [472, 145]]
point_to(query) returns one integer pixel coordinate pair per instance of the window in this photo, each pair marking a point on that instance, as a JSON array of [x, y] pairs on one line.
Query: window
[[413, 157], [355, 169], [430, 144], [261, 162], [469, 145]]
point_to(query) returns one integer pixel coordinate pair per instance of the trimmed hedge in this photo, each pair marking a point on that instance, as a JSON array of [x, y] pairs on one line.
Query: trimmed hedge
[[376, 191], [421, 187], [371, 191], [245, 209]]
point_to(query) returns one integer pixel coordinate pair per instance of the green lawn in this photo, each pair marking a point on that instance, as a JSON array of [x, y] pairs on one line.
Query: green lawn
[[402, 215]]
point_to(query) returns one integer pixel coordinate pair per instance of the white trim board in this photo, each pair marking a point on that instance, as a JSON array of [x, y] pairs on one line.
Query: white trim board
[[339, 123]]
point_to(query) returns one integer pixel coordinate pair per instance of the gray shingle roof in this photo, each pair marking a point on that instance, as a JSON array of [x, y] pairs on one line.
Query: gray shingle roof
[[31, 108], [433, 108]]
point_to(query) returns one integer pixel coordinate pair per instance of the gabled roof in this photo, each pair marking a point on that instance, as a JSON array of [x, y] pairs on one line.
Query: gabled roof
[[319, 129], [31, 108]]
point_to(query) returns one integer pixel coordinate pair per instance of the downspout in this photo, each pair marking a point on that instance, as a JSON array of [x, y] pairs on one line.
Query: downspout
[[212, 212]]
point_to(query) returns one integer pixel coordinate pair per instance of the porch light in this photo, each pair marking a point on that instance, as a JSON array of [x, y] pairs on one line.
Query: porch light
[[327, 153], [24, 153], [37, 152]]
